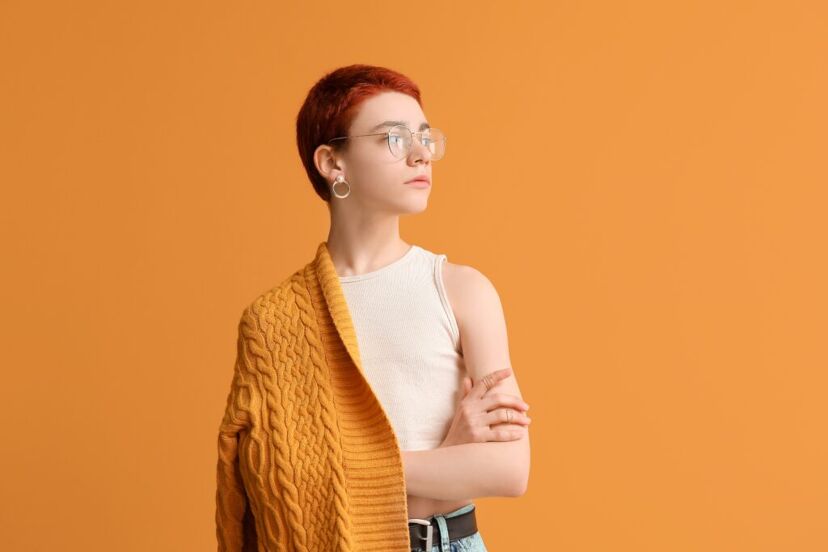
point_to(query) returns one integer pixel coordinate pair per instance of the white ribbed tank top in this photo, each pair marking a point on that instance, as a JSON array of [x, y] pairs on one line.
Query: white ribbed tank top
[[409, 344]]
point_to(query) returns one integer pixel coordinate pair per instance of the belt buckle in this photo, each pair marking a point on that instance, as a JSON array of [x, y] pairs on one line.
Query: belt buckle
[[429, 532]]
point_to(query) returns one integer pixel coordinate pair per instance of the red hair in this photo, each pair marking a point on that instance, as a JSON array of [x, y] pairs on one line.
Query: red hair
[[330, 107]]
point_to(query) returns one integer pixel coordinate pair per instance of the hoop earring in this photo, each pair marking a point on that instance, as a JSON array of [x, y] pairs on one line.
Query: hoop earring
[[340, 179]]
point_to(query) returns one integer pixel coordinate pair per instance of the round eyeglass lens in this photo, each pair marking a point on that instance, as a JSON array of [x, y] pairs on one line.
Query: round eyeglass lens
[[400, 140]]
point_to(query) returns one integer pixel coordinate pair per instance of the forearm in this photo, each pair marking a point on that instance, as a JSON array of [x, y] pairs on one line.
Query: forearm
[[467, 471]]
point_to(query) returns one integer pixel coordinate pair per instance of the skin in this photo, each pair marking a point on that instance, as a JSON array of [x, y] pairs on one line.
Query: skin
[[364, 236]]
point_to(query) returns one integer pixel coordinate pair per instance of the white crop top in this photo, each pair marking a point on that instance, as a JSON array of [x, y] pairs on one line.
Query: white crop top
[[409, 345]]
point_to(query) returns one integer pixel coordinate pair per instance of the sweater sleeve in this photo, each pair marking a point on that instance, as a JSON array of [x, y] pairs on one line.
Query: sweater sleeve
[[235, 525]]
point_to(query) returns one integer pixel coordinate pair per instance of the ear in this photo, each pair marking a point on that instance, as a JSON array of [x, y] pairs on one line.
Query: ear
[[326, 162]]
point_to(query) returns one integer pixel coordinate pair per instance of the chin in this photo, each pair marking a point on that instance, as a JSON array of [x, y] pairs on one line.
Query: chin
[[413, 206]]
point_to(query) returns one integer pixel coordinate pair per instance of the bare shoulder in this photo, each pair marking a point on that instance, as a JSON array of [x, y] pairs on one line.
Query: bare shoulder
[[480, 318], [468, 290]]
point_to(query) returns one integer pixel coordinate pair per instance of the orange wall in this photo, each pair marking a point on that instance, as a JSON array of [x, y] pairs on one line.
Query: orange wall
[[644, 183]]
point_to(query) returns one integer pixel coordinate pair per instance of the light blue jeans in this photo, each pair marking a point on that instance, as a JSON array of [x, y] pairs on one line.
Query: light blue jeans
[[471, 543]]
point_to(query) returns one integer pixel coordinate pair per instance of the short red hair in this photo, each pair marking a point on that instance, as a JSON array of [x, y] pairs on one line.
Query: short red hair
[[330, 107]]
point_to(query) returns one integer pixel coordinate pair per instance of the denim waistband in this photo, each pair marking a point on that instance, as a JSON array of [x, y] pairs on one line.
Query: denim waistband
[[444, 543]]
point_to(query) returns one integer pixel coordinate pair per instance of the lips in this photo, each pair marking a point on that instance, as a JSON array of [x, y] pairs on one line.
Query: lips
[[420, 180]]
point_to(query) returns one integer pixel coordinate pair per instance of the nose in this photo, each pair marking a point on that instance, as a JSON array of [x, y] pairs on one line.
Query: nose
[[419, 151]]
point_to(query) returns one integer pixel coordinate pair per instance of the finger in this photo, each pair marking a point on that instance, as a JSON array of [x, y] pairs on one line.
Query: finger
[[490, 380], [467, 385], [506, 416], [496, 400], [506, 433]]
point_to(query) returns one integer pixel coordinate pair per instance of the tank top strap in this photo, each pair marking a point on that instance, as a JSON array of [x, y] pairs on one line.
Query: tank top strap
[[439, 260]]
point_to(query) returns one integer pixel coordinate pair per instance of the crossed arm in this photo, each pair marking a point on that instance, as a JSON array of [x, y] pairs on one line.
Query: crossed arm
[[472, 470]]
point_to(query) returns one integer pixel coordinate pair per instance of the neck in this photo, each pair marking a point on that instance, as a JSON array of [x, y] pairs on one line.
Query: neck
[[360, 243]]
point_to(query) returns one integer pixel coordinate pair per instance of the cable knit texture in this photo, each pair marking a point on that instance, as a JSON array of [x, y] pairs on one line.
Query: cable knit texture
[[307, 457]]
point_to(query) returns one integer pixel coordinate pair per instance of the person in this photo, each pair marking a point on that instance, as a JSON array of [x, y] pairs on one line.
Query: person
[[375, 165], [433, 402]]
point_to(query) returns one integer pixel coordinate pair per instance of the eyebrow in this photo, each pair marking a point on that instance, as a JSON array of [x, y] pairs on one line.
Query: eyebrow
[[393, 123]]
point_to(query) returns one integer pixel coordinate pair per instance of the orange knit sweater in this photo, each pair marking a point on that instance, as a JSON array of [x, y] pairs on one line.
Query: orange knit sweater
[[307, 457]]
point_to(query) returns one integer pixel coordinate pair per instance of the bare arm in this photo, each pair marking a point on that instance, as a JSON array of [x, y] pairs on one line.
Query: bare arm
[[471, 470], [466, 471]]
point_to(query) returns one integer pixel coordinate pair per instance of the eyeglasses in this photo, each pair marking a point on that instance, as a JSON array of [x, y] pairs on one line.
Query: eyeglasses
[[400, 139]]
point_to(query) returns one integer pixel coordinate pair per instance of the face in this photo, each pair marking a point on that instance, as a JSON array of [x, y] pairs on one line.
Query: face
[[377, 178]]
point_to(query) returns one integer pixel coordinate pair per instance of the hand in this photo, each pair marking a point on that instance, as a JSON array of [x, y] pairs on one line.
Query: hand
[[482, 416]]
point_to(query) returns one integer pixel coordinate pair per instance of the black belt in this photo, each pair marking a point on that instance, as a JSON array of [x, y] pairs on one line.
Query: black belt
[[458, 527]]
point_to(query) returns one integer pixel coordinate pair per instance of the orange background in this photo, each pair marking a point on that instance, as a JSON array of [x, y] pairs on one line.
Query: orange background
[[644, 183]]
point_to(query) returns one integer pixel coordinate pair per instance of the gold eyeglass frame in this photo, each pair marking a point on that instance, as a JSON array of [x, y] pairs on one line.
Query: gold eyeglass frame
[[418, 134]]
